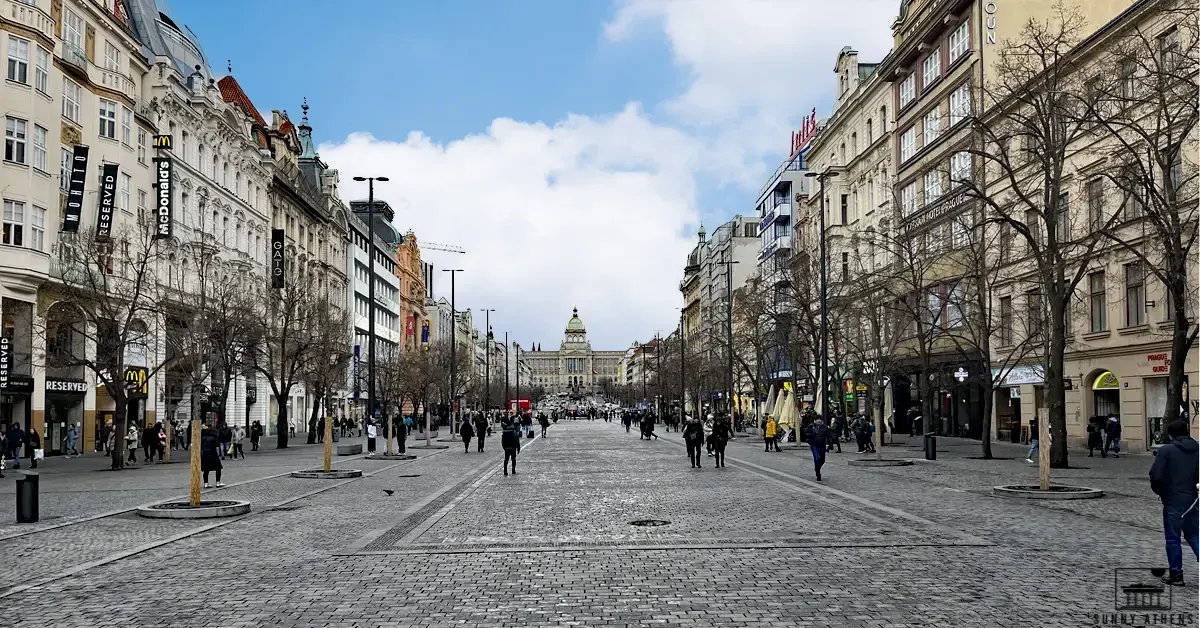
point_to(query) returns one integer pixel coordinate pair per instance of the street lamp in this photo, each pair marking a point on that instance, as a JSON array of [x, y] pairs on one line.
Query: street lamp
[[453, 351], [506, 369], [824, 370], [729, 323], [682, 371], [371, 290], [487, 359]]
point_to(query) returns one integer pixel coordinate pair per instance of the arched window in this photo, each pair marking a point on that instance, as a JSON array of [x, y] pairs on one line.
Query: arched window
[[883, 120], [870, 137]]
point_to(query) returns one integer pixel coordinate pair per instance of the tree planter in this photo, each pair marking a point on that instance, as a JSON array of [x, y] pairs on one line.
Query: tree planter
[[211, 509], [391, 456], [335, 474], [893, 462], [1018, 491]]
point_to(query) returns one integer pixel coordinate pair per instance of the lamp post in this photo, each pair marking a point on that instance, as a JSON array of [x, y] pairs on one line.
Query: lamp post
[[517, 368], [658, 349], [506, 369], [729, 323], [453, 351], [824, 370], [682, 372], [371, 290], [487, 359]]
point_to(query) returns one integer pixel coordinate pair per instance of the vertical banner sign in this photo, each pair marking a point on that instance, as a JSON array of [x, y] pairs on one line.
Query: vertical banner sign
[[5, 361], [277, 258], [108, 195], [357, 392], [79, 161], [410, 326], [425, 333], [164, 224]]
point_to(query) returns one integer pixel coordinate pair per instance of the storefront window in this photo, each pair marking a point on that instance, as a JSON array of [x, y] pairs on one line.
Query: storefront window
[[1106, 394]]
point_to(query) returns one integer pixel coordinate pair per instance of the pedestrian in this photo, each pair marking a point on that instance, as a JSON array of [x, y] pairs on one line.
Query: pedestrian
[[292, 428], [708, 442], [818, 443], [401, 432], [15, 438], [210, 454], [769, 431], [71, 446], [1095, 438], [224, 437], [372, 432], [835, 432], [482, 430], [1175, 479], [131, 443], [1033, 439], [1112, 436], [721, 433], [149, 443], [256, 433], [693, 437], [33, 448], [510, 440], [239, 435], [545, 423], [160, 437], [110, 445], [467, 432]]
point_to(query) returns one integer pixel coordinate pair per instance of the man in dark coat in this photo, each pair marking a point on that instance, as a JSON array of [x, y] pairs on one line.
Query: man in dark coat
[[467, 432], [481, 430], [15, 438], [818, 443], [1175, 477], [719, 438], [510, 440], [693, 436]]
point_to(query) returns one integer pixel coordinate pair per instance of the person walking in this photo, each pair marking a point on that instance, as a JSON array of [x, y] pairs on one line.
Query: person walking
[[372, 432], [835, 433], [1095, 439], [225, 437], [1112, 437], [149, 443], [481, 430], [131, 443], [1033, 440], [239, 435], [510, 440], [721, 433], [110, 444], [210, 454], [33, 447], [256, 433], [467, 432], [71, 446], [544, 421], [160, 438], [1174, 477], [693, 436], [15, 438], [818, 443], [769, 431]]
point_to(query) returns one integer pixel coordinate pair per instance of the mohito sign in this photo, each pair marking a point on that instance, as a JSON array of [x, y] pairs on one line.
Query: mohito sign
[[1163, 360], [808, 129]]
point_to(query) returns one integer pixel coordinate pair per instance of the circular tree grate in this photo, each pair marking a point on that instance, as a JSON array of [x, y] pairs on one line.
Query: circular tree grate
[[188, 506], [649, 523]]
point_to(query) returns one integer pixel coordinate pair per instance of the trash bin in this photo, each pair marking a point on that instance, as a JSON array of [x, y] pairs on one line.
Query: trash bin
[[930, 447], [27, 498]]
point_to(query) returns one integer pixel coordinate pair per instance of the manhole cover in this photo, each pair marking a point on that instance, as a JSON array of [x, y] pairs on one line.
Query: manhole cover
[[411, 475], [649, 523]]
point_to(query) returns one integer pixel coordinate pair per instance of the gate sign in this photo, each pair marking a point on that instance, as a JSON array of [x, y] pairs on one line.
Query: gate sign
[[163, 198], [277, 244], [74, 210], [108, 196]]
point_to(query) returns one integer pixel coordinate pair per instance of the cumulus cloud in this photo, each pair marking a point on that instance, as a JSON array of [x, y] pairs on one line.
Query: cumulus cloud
[[599, 212]]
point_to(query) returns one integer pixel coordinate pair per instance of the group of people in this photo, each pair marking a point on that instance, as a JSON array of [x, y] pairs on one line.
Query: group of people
[[16, 441], [1103, 434]]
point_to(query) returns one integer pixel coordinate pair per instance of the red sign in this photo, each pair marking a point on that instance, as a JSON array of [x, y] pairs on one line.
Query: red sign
[[410, 328], [1165, 358], [808, 128]]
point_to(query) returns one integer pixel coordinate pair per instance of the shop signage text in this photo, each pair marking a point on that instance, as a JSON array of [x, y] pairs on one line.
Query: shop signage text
[[66, 385], [162, 142], [79, 161], [137, 382], [989, 21], [108, 194], [357, 362], [277, 244], [164, 227], [808, 129], [1163, 362], [5, 359]]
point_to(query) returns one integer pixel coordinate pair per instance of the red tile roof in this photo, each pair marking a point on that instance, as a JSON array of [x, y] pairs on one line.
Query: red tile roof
[[232, 92]]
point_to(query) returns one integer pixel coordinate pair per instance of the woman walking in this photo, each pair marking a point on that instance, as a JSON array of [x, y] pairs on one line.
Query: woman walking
[[33, 447], [239, 435], [467, 432], [210, 455], [769, 432], [693, 436], [71, 445], [131, 442]]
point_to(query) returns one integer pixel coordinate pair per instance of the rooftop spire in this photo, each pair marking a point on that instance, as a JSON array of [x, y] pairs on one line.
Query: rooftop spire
[[307, 150], [229, 66]]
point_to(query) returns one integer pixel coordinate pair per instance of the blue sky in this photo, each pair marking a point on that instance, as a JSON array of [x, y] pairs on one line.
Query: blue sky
[[631, 121]]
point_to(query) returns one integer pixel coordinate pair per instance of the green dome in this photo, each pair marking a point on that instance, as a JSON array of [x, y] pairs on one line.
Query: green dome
[[575, 324]]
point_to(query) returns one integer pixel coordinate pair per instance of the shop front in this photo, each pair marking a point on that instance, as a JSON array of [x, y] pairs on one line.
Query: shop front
[[1017, 398], [1154, 395], [64, 408]]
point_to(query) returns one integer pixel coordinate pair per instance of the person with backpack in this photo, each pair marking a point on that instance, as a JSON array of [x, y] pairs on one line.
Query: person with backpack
[[510, 440], [1112, 436], [1175, 478]]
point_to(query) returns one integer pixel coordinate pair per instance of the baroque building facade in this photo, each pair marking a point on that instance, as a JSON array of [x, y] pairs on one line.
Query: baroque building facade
[[575, 368]]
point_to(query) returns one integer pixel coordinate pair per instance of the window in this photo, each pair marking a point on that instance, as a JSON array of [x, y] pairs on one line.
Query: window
[[933, 125], [883, 120], [1135, 295], [908, 199], [1006, 241], [908, 143], [1034, 313], [1032, 221], [1097, 301], [1006, 326], [854, 144], [960, 230], [65, 159], [14, 223], [1173, 157], [126, 126], [141, 206], [1095, 201], [1131, 204], [14, 140], [908, 89], [960, 167], [956, 306], [108, 119], [37, 229], [72, 96], [960, 42], [1062, 227], [845, 207], [112, 57], [123, 191], [960, 103], [41, 73], [1168, 51], [73, 28], [931, 68], [870, 136], [933, 186], [39, 148], [141, 146], [18, 60], [1128, 76], [845, 266]]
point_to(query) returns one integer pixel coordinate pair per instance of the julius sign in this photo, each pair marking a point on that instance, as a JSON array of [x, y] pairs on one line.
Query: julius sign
[[801, 138]]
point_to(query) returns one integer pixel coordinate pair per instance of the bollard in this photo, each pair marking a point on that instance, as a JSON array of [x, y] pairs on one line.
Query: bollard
[[27, 498], [930, 447]]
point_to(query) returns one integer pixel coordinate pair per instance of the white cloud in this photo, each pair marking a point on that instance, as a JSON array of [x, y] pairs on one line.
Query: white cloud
[[598, 212], [587, 213]]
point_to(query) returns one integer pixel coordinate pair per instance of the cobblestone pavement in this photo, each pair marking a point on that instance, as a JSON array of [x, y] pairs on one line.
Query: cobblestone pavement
[[755, 544]]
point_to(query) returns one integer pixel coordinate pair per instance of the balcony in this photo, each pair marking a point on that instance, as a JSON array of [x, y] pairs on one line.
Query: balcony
[[779, 244], [75, 57], [28, 15], [24, 264], [145, 111], [113, 80], [781, 210]]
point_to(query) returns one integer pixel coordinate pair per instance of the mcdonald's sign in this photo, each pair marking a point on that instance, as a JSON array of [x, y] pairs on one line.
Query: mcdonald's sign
[[162, 142], [136, 382]]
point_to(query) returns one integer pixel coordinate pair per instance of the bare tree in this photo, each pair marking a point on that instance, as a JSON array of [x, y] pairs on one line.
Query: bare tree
[[324, 372]]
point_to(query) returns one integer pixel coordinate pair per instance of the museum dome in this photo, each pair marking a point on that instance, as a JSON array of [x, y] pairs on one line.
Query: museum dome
[[575, 324]]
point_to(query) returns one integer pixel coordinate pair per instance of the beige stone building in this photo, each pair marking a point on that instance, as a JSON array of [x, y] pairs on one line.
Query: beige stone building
[[575, 368]]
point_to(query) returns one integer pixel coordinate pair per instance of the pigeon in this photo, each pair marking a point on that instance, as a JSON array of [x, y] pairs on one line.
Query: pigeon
[[389, 492]]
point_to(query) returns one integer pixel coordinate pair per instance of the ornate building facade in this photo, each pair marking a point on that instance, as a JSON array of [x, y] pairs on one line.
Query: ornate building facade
[[575, 368]]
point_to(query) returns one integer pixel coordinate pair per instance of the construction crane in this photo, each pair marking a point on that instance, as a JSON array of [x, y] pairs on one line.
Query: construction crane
[[433, 246]]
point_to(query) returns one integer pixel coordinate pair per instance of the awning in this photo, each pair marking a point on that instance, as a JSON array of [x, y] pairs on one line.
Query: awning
[[1106, 381]]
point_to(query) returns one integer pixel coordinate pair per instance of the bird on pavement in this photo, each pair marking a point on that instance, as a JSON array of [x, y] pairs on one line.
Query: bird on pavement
[[389, 492]]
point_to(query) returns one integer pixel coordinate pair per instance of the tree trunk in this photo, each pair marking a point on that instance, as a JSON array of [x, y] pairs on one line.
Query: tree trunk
[[985, 441], [1181, 345], [1055, 392], [313, 418], [120, 421], [281, 422], [327, 454]]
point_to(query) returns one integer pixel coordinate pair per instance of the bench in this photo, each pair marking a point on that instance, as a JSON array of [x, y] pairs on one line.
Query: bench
[[349, 450]]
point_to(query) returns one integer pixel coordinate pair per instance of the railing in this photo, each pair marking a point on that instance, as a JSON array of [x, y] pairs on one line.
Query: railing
[[794, 163], [144, 109], [27, 13], [113, 80], [74, 55]]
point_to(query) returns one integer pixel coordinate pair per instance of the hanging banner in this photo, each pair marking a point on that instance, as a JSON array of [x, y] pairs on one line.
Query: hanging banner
[[410, 326], [357, 391], [425, 332], [108, 197], [74, 210], [277, 245], [164, 225]]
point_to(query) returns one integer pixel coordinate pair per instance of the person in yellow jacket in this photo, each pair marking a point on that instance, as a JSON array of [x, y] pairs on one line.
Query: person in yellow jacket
[[769, 433]]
